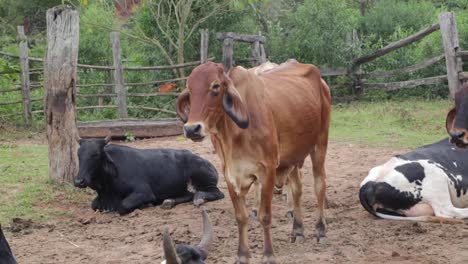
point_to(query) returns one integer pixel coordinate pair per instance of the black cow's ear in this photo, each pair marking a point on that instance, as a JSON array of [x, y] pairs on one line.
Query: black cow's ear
[[183, 105], [109, 164], [234, 106], [449, 120]]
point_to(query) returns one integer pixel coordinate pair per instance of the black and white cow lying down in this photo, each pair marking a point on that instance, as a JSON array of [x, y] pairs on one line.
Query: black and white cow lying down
[[127, 178], [6, 257], [427, 184]]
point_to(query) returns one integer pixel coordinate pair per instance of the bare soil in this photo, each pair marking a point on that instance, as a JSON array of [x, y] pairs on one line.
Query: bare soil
[[354, 236]]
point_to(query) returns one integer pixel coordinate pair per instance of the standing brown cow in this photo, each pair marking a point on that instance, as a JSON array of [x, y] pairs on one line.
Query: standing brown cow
[[263, 125]]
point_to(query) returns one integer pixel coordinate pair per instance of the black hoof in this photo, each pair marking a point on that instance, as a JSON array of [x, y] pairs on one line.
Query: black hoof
[[198, 202], [168, 204], [290, 215], [253, 214]]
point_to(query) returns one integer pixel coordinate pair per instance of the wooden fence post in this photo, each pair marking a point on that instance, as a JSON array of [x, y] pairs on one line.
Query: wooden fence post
[[118, 76], [25, 83], [263, 57], [204, 38], [256, 53], [448, 29], [227, 54], [60, 91]]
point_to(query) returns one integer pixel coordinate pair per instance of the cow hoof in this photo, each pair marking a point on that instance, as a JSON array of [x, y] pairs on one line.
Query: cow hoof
[[321, 240], [168, 204], [198, 202], [269, 259], [290, 215], [253, 214], [297, 238]]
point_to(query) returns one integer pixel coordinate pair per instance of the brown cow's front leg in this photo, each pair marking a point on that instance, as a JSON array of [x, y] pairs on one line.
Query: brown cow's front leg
[[240, 210], [264, 215]]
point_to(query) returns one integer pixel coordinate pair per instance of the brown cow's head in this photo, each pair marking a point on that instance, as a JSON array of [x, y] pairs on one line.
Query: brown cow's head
[[457, 118], [210, 95]]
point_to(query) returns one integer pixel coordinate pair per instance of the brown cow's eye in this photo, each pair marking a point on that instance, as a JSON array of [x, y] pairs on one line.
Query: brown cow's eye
[[215, 89]]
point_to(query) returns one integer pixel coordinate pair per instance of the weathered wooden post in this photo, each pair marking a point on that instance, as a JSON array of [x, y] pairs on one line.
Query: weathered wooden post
[[227, 54], [204, 38], [118, 76], [25, 83], [263, 57], [256, 53], [60, 91], [448, 29]]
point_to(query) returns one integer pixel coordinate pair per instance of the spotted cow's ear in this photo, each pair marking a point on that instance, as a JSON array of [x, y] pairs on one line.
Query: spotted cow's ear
[[449, 120], [234, 106], [183, 105]]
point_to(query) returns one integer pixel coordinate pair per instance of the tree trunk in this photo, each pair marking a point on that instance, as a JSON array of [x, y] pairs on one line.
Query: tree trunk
[[60, 91]]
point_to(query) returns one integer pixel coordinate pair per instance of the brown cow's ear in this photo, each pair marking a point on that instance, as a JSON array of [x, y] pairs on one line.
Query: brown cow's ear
[[449, 120], [234, 106], [183, 105]]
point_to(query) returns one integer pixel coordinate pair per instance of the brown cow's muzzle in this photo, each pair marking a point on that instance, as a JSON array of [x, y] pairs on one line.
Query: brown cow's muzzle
[[459, 139], [194, 131]]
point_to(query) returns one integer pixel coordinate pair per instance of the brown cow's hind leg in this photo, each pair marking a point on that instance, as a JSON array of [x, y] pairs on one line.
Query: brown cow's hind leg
[[264, 215], [295, 184], [318, 164]]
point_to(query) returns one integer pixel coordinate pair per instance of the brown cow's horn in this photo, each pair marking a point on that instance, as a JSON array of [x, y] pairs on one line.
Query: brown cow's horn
[[207, 239], [169, 249], [108, 137]]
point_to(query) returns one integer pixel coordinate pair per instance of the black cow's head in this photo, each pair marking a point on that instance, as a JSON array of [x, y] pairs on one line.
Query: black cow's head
[[6, 257], [91, 157], [457, 118], [187, 254]]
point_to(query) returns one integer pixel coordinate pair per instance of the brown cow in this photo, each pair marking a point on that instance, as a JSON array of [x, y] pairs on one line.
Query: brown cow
[[457, 118], [263, 125]]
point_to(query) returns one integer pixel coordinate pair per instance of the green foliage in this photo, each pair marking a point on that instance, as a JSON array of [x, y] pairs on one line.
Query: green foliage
[[129, 137]]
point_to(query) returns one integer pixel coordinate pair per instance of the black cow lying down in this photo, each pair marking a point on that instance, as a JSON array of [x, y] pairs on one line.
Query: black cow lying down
[[188, 254], [427, 184], [6, 257], [127, 178]]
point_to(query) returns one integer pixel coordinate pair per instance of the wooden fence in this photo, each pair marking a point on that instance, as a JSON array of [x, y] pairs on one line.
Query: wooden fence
[[453, 55], [117, 82]]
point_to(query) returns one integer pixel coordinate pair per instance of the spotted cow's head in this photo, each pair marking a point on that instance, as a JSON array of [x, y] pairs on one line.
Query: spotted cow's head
[[209, 96], [457, 118]]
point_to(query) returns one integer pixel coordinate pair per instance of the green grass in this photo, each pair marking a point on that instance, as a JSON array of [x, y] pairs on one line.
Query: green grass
[[27, 192], [25, 188], [405, 124]]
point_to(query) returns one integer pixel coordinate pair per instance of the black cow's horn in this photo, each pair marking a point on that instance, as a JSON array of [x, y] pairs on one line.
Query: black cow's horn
[[207, 239], [108, 137], [169, 249]]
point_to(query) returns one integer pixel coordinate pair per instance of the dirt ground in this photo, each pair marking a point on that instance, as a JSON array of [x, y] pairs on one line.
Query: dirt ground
[[353, 235]]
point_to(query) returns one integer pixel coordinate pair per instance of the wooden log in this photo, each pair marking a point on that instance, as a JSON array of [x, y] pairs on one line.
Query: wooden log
[[99, 95], [17, 56], [263, 57], [118, 76], [155, 109], [25, 83], [9, 72], [448, 28], [156, 82], [240, 37], [138, 128], [463, 54], [256, 53], [333, 72], [463, 76], [227, 54], [10, 90], [10, 115], [395, 45], [95, 84], [168, 67], [60, 90], [392, 86], [406, 70], [152, 94], [204, 39]]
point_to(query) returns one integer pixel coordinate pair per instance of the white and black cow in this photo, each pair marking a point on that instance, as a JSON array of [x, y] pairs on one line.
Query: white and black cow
[[127, 178], [6, 257], [427, 184]]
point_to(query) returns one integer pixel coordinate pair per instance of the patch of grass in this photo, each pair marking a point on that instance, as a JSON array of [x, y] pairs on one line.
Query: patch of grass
[[407, 124], [25, 188]]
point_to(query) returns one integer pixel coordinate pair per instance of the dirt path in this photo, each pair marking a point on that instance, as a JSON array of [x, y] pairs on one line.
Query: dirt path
[[353, 235]]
